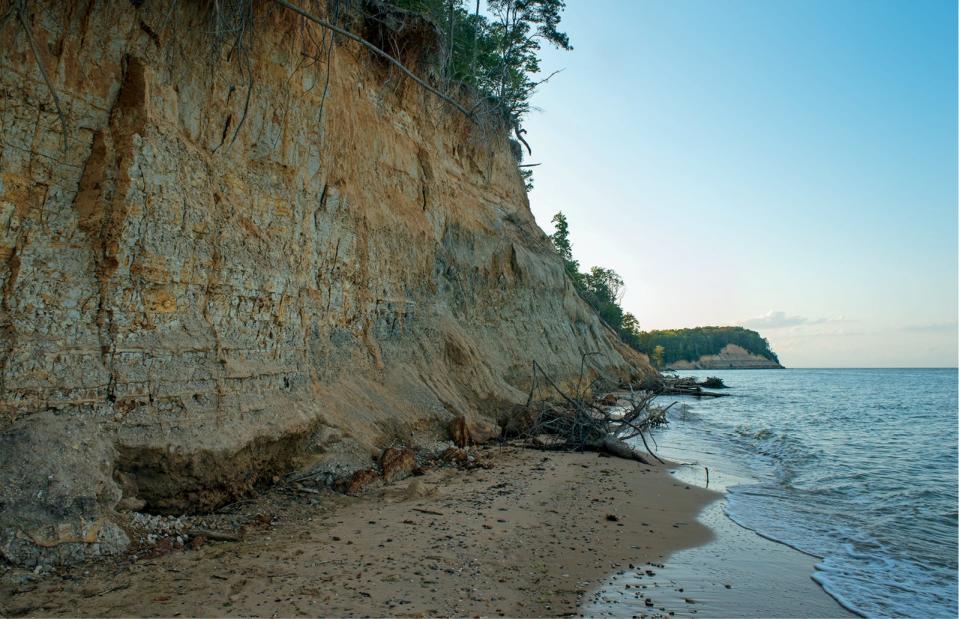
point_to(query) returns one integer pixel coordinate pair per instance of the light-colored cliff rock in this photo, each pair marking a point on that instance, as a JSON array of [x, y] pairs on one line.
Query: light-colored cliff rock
[[185, 316], [731, 357]]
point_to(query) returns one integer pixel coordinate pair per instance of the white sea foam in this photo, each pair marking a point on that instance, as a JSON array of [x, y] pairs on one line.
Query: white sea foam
[[855, 466]]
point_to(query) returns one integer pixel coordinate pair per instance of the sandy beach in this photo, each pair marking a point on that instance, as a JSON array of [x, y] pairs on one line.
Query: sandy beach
[[531, 536]]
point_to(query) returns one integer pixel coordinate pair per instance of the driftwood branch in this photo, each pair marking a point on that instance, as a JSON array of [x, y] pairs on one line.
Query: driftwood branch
[[706, 468], [428, 511], [582, 370], [642, 435], [532, 387], [581, 424], [687, 385], [376, 50]]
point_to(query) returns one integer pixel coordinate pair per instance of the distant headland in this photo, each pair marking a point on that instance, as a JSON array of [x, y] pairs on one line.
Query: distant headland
[[708, 348]]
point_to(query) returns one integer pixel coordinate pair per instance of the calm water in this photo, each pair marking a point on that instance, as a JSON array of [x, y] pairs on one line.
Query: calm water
[[856, 467]]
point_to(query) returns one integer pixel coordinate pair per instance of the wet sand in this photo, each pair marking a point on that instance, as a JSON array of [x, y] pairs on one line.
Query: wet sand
[[529, 537], [737, 574]]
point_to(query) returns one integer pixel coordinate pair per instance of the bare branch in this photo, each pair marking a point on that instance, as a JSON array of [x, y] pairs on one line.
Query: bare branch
[[519, 136], [376, 50], [583, 425], [19, 8]]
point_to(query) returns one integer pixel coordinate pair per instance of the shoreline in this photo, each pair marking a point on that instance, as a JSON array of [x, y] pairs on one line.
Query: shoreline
[[530, 536], [738, 573], [790, 588]]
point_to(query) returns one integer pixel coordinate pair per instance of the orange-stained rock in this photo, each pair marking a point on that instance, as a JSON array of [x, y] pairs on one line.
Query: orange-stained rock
[[397, 463], [358, 482], [465, 432], [455, 456], [459, 432]]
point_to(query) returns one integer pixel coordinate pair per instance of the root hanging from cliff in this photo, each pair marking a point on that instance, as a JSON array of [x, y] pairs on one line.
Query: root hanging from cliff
[[17, 10], [376, 50]]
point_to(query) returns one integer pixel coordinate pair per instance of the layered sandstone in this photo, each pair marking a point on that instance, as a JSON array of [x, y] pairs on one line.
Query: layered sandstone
[[203, 290]]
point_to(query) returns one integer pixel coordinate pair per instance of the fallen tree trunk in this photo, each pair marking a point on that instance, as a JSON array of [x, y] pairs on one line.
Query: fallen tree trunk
[[618, 448]]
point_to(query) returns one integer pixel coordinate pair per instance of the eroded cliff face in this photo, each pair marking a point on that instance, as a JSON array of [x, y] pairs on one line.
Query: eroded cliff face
[[191, 306], [731, 357]]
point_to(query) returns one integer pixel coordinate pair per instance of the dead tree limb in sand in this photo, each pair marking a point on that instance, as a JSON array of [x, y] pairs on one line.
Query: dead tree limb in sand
[[583, 425], [376, 50]]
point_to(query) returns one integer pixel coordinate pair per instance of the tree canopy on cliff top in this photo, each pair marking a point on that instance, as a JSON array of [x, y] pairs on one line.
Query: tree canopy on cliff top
[[497, 55], [496, 52]]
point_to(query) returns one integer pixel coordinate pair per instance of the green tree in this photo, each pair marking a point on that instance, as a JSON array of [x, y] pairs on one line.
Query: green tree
[[602, 288], [658, 357], [561, 242], [497, 55], [519, 28], [631, 324], [604, 284], [560, 237]]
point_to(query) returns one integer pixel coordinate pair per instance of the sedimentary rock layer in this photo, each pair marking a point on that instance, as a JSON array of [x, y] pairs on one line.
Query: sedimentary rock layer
[[251, 250]]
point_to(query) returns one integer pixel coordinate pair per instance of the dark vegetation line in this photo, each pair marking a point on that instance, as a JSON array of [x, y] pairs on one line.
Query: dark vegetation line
[[691, 344], [603, 288]]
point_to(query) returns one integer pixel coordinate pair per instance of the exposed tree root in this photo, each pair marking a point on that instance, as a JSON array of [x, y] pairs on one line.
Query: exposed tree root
[[376, 50]]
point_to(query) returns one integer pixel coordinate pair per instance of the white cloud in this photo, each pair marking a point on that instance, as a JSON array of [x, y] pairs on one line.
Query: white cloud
[[782, 320], [779, 320]]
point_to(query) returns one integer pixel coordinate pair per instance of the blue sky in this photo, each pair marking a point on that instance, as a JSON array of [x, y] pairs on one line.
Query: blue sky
[[788, 165]]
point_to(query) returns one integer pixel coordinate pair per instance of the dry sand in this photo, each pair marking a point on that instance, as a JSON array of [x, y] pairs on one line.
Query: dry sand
[[529, 537]]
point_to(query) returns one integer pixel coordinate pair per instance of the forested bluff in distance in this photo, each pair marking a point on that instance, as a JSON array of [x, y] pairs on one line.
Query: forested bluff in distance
[[672, 347]]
